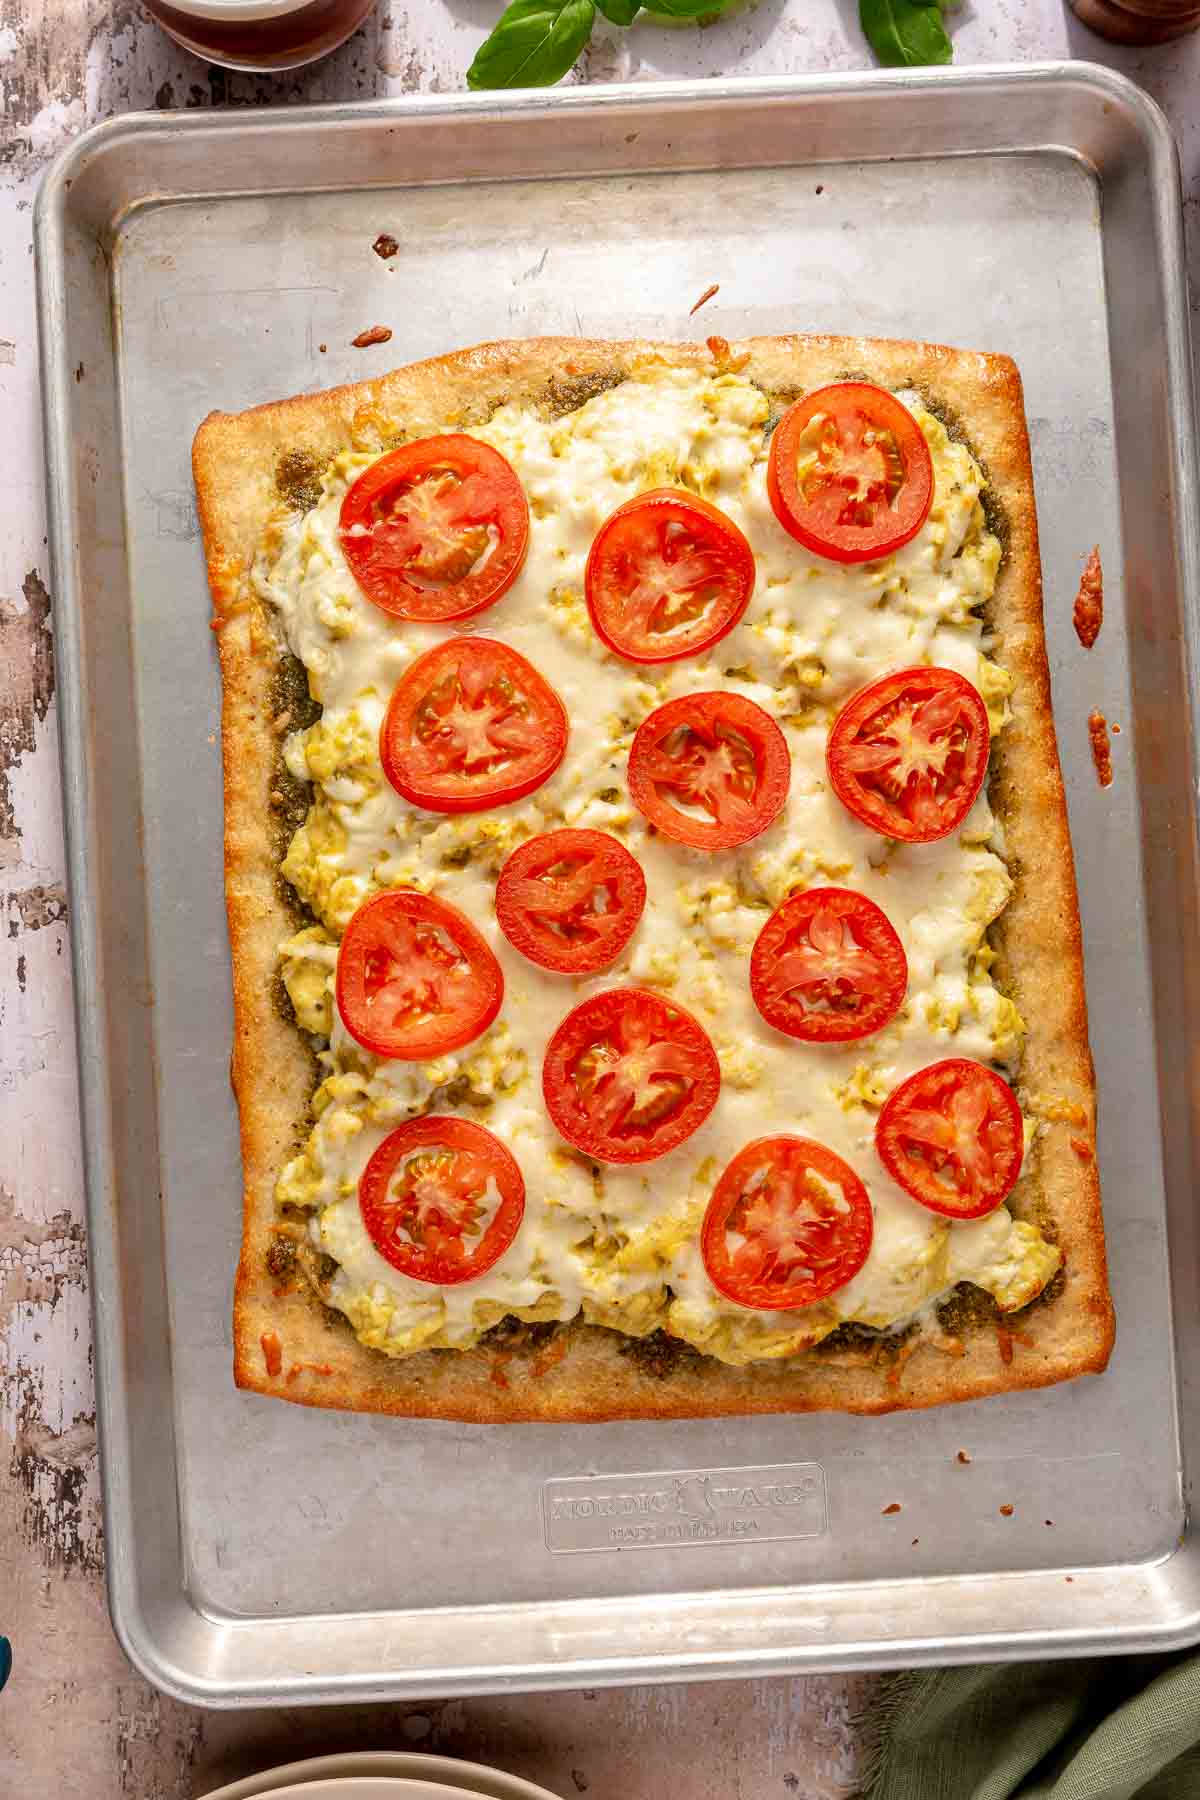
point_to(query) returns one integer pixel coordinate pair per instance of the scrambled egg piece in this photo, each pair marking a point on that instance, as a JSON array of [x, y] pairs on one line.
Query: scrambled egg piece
[[636, 1313], [383, 1325], [779, 875], [567, 612], [996, 685], [307, 964], [1025, 1266], [742, 1065], [905, 1283], [1005, 1025], [302, 1179], [315, 867], [343, 748], [731, 920], [748, 1337], [467, 1080], [867, 1086], [655, 965], [993, 886]]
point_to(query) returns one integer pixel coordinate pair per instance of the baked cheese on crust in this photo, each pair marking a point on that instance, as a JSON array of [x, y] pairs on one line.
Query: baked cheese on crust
[[601, 1307]]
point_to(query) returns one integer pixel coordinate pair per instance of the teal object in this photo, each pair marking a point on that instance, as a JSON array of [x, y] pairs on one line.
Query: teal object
[[5, 1660]]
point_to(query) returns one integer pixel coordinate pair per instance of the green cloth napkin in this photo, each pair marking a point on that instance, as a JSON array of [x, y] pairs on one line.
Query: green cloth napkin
[[1104, 1730]]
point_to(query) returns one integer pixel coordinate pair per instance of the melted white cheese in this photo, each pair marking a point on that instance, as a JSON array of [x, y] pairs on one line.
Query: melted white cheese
[[621, 1243]]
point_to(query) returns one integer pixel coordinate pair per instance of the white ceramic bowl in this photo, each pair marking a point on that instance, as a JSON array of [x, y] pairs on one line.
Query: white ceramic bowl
[[444, 1778]]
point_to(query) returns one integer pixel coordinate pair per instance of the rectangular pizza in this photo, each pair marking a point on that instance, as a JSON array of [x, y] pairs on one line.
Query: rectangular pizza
[[656, 953]]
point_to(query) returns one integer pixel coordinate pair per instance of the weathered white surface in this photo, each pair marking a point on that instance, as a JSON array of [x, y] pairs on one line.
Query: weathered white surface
[[75, 1721]]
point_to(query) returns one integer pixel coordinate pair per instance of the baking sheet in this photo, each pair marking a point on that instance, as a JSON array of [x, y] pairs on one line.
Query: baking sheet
[[263, 1552]]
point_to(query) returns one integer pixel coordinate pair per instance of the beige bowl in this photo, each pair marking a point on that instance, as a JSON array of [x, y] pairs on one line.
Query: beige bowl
[[391, 1775], [370, 1787]]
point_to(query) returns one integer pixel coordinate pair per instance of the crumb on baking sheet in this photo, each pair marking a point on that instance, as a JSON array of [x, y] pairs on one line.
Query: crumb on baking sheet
[[1088, 615], [1006, 1511], [705, 297], [385, 246], [962, 1457], [893, 1508], [376, 334], [1101, 756]]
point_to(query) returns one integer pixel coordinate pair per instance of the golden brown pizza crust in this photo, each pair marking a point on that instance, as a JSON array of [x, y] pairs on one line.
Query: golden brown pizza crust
[[285, 1342]]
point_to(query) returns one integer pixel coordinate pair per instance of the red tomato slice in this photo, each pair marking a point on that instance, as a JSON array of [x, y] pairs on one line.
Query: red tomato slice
[[628, 1076], [710, 770], [667, 576], [471, 725], [908, 754], [788, 1223], [952, 1136], [414, 977], [827, 967], [442, 1199], [850, 474], [570, 900], [437, 529]]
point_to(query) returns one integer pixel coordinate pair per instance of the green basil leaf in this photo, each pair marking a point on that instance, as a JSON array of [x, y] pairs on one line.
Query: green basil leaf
[[689, 9], [533, 44], [905, 33], [620, 12]]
